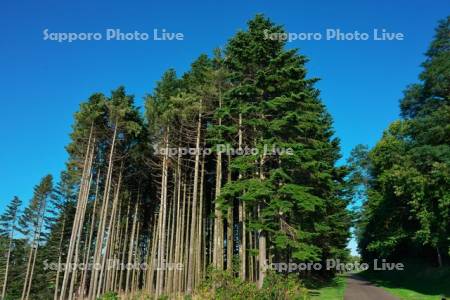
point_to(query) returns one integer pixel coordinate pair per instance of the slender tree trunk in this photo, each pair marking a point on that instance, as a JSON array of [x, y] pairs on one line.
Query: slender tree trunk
[[242, 246], [34, 248], [162, 220], [80, 230], [5, 278], [125, 243], [25, 284], [34, 251], [109, 236], [173, 230], [191, 270], [262, 257], [178, 244], [183, 238], [8, 256], [102, 220], [91, 232], [186, 241], [82, 196], [130, 249], [111, 248], [229, 226], [250, 258], [200, 231], [168, 248], [218, 220], [151, 272], [261, 238], [55, 295], [135, 259], [30, 280]]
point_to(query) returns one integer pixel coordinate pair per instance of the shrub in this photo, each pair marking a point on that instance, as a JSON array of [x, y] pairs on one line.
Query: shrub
[[109, 296], [223, 285]]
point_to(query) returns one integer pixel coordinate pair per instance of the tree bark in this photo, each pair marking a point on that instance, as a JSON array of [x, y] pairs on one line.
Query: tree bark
[[229, 226], [261, 238], [102, 221], [191, 270], [8, 256]]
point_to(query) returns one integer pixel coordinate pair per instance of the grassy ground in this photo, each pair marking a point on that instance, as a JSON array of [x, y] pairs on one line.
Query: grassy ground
[[414, 283], [333, 290]]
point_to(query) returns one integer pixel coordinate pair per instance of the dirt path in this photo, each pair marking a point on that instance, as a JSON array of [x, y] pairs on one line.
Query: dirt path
[[360, 289]]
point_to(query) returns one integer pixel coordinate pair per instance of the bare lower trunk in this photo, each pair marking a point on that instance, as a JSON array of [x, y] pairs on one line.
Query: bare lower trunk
[[109, 238], [183, 239], [186, 241], [25, 284], [8, 256], [178, 244], [229, 226], [218, 220], [162, 222], [33, 251], [55, 295], [130, 250], [191, 260], [5, 278], [200, 227], [262, 257], [125, 243], [81, 195], [151, 261], [80, 229], [91, 232], [261, 238], [102, 221], [242, 244], [33, 264]]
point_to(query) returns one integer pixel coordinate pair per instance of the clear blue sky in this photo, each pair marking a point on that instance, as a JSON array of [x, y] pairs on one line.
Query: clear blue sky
[[43, 82]]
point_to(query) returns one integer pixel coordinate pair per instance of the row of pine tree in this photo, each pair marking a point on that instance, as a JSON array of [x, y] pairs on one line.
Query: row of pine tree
[[124, 197]]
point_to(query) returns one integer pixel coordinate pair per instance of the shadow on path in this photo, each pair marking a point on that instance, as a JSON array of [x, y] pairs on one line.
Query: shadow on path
[[361, 289]]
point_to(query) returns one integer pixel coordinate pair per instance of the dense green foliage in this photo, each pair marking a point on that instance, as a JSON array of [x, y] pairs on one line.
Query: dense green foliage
[[298, 195], [407, 173], [223, 285]]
